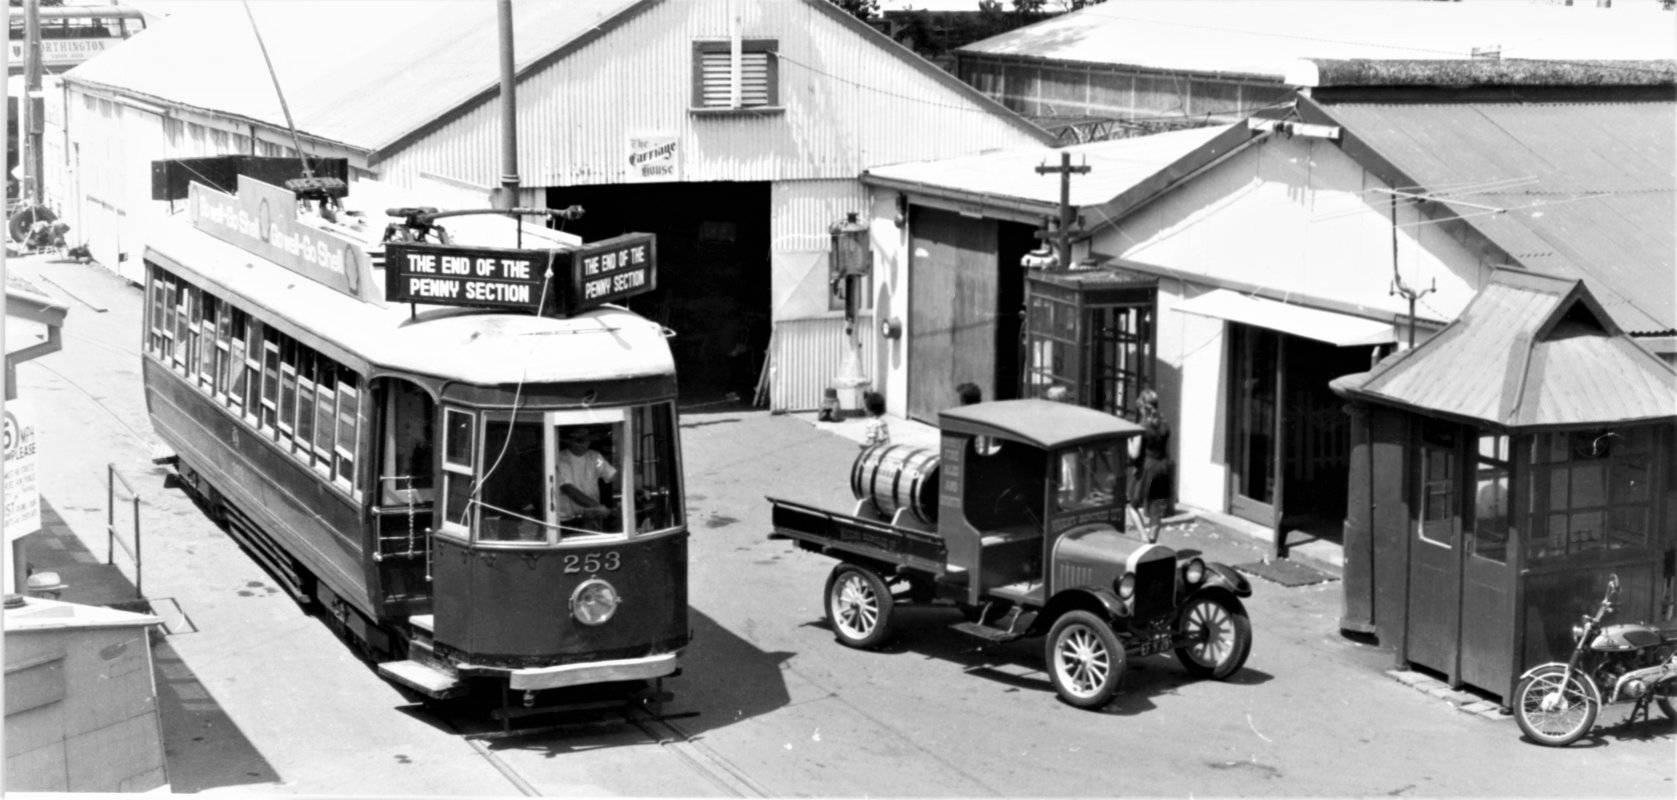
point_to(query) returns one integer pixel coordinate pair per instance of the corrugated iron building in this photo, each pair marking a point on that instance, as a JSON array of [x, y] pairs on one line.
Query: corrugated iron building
[[1282, 249], [1112, 70], [630, 109]]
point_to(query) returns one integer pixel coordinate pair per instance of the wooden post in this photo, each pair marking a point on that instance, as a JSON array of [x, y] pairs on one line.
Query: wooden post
[[1062, 236]]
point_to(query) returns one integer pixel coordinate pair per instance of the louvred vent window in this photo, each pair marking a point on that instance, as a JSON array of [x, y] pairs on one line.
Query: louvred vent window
[[713, 75]]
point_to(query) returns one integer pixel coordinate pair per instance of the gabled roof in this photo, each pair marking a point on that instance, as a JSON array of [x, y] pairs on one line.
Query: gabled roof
[[1116, 167], [1042, 423], [1265, 39], [373, 74], [1577, 189], [1529, 351]]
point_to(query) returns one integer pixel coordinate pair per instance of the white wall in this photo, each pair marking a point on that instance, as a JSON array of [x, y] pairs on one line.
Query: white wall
[[1296, 216]]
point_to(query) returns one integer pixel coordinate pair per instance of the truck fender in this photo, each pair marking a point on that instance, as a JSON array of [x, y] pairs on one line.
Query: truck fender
[[1225, 576], [1099, 601]]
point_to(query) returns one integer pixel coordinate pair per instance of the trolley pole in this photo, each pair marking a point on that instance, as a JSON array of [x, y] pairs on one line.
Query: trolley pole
[[509, 112]]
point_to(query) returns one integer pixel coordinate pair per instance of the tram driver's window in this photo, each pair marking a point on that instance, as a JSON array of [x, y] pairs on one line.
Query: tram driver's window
[[458, 427], [588, 469]]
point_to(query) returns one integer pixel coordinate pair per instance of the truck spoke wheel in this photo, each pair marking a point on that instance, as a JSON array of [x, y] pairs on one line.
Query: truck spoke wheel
[[1224, 632], [858, 606], [1085, 659]]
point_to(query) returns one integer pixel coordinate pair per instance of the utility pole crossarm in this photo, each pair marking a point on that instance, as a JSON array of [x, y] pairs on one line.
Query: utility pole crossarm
[[1068, 212]]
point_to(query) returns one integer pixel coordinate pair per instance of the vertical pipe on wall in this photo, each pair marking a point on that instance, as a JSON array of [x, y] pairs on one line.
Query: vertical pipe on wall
[[508, 197]]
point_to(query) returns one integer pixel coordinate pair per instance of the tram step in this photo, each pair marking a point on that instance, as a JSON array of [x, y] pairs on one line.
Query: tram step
[[985, 632], [429, 680]]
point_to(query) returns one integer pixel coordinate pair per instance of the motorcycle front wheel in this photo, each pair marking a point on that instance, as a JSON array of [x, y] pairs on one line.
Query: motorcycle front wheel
[[1554, 709]]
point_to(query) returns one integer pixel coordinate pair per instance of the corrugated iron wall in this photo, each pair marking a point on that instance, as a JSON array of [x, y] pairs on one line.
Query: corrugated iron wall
[[807, 354], [848, 101]]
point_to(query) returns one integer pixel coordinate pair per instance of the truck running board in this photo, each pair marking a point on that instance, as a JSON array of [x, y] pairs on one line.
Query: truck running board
[[986, 632]]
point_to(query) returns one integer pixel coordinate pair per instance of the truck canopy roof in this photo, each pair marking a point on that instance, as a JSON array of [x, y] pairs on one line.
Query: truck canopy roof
[[1042, 423]]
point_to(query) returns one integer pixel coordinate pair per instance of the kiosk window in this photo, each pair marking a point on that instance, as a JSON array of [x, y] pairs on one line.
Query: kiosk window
[[1490, 499], [1591, 490]]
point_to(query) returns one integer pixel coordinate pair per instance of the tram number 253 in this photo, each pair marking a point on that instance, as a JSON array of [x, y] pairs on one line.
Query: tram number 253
[[592, 562]]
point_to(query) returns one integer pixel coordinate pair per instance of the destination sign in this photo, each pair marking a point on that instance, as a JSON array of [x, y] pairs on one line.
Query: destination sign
[[612, 269], [451, 275]]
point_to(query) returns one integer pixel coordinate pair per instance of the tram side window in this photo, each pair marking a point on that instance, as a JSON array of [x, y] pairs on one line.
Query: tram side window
[[408, 446], [658, 503], [160, 336], [205, 365], [270, 378], [233, 379], [345, 448], [458, 427], [304, 426], [183, 322], [253, 370]]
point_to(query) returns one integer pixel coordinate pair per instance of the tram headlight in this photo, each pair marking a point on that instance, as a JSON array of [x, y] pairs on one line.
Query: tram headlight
[[594, 602]]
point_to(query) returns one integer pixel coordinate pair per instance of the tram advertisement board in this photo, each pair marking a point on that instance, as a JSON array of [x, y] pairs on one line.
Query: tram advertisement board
[[453, 275], [612, 269], [262, 219]]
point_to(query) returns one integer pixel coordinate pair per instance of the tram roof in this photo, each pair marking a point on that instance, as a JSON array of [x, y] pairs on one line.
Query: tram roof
[[486, 348]]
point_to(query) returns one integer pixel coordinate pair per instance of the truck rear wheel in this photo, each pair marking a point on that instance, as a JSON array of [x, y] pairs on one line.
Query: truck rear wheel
[[858, 606], [1085, 659]]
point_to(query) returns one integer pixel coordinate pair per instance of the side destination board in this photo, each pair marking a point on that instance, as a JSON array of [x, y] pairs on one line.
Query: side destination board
[[453, 275], [262, 220], [612, 269]]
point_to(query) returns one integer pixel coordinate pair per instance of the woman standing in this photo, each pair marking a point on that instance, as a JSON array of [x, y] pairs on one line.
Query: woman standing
[[1150, 489]]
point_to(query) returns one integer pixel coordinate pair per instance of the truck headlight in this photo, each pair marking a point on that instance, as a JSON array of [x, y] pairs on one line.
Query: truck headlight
[[1193, 572], [593, 602], [1126, 586]]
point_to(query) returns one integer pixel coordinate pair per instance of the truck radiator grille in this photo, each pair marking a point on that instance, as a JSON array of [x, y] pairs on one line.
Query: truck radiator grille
[[1155, 589]]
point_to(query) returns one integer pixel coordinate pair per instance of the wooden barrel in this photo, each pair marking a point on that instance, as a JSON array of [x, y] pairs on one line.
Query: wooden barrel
[[893, 476]]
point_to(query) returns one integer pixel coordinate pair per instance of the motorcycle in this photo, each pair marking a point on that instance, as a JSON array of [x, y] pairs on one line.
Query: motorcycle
[[1557, 703]]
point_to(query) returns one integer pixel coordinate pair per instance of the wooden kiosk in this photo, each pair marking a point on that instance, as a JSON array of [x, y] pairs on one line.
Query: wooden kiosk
[[1090, 331], [1499, 473]]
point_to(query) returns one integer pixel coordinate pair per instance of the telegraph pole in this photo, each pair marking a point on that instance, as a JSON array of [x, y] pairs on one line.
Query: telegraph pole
[[29, 108], [1062, 236]]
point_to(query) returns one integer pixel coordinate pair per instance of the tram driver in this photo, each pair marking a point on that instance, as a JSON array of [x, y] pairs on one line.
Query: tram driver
[[581, 469]]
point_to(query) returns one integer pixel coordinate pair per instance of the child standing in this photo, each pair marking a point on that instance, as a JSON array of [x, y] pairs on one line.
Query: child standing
[[877, 432]]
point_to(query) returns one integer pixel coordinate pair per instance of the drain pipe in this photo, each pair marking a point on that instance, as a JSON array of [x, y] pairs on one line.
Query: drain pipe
[[509, 112]]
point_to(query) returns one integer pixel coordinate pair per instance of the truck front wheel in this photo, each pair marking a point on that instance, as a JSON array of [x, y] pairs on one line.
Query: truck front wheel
[[1224, 635], [858, 606], [1085, 659]]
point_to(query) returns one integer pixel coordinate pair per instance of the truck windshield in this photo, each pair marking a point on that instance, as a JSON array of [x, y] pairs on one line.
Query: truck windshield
[[1089, 476]]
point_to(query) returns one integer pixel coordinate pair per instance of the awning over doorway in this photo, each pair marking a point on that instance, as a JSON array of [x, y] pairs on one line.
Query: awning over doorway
[[1342, 330]]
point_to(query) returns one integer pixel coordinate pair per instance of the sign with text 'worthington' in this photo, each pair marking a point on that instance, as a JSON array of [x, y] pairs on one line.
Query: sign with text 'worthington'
[[453, 275]]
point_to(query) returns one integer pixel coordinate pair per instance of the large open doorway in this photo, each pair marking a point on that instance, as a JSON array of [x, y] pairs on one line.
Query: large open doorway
[[1289, 438], [714, 273]]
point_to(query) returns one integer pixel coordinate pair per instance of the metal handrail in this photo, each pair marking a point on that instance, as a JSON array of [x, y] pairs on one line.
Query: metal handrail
[[111, 477]]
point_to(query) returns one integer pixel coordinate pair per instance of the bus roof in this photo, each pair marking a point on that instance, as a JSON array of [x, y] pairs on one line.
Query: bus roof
[[478, 347], [1043, 423]]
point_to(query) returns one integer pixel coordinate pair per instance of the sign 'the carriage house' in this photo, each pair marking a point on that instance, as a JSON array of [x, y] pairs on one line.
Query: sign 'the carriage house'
[[599, 272]]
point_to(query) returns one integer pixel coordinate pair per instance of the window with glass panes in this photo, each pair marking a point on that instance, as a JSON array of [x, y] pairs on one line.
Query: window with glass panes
[[1591, 491]]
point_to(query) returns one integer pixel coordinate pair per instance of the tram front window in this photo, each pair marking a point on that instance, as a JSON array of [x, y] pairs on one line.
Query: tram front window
[[510, 500], [556, 475]]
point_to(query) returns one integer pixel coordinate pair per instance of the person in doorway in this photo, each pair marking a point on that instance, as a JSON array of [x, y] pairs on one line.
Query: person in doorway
[[581, 468], [1150, 458], [969, 393], [877, 432]]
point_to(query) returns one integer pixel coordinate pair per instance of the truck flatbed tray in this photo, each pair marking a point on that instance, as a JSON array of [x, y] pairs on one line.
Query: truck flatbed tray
[[828, 532]]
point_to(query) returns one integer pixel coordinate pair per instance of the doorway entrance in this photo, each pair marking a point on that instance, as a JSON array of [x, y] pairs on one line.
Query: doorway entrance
[[714, 273], [1289, 442]]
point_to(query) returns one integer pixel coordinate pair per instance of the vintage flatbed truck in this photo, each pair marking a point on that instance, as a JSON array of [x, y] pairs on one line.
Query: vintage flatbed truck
[[1018, 520]]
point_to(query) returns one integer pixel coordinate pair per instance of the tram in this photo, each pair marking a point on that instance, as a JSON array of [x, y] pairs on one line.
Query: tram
[[398, 428]]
